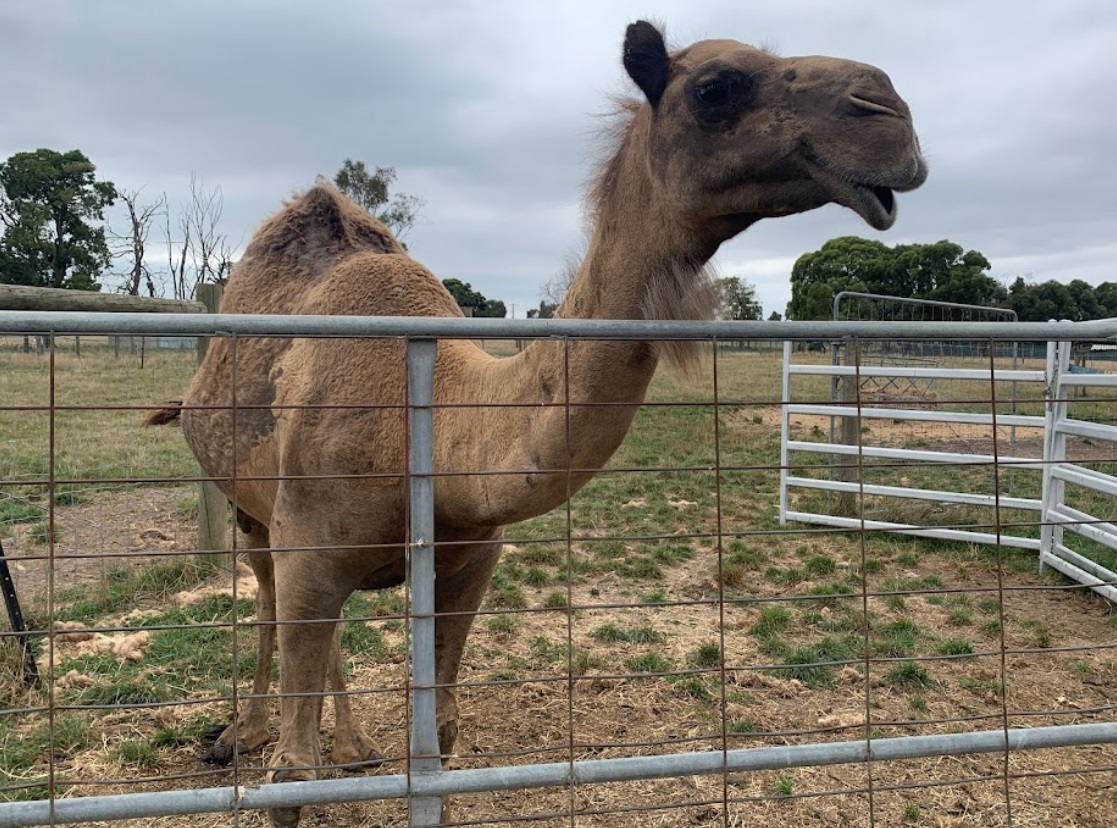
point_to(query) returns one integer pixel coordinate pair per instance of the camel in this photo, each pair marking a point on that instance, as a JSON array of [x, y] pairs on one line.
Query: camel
[[315, 452]]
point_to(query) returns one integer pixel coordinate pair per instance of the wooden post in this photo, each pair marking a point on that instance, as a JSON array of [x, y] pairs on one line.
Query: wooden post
[[213, 508], [18, 297]]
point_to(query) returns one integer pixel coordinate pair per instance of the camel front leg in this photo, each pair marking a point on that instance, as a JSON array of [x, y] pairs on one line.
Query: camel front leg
[[310, 589]]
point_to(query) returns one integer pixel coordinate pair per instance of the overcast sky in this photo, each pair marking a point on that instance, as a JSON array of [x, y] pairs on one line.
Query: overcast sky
[[487, 109]]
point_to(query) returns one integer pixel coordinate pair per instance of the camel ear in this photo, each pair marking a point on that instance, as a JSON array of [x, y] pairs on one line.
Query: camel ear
[[645, 59]]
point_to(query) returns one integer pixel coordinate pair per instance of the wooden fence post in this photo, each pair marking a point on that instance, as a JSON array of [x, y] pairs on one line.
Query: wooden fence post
[[213, 509]]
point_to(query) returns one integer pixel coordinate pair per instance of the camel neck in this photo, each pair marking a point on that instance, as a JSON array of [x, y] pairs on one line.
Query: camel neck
[[568, 405]]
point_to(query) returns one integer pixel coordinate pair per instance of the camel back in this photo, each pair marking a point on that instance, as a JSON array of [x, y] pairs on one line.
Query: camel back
[[294, 248]]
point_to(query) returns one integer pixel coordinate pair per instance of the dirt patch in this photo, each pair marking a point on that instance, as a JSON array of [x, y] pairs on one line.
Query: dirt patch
[[1041, 654], [124, 528]]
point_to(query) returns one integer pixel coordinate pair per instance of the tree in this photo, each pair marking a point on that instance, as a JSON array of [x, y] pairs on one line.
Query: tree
[[201, 253], [1106, 294], [1076, 301], [546, 310], [737, 299], [371, 191], [844, 263], [467, 297], [942, 271], [554, 289], [49, 201], [132, 243]]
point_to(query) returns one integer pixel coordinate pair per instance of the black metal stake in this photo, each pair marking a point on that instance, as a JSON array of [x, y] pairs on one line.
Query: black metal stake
[[15, 616]]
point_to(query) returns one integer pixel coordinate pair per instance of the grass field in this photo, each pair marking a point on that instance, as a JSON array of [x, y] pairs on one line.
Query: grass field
[[665, 611]]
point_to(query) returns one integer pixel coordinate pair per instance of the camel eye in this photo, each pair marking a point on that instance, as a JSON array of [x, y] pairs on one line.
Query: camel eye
[[717, 91], [722, 96]]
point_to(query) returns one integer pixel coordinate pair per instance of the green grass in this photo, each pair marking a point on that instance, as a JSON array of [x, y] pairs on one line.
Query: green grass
[[814, 664], [24, 749], [556, 600], [648, 663], [125, 587], [706, 655], [896, 638], [503, 624], [744, 726], [612, 634], [773, 620], [954, 647], [90, 444], [138, 752], [908, 674], [820, 565], [18, 510]]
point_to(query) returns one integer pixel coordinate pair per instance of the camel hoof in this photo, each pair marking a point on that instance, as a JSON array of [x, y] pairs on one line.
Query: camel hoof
[[370, 757], [225, 744], [287, 817], [221, 751]]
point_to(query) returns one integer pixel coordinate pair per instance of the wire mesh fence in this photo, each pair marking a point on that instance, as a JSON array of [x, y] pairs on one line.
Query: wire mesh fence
[[658, 651]]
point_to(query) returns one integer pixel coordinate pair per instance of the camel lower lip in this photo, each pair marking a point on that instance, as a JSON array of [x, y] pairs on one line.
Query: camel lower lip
[[875, 204]]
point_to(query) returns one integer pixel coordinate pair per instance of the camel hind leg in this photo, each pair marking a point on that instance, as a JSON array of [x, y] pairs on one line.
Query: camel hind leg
[[249, 730], [352, 746], [458, 595]]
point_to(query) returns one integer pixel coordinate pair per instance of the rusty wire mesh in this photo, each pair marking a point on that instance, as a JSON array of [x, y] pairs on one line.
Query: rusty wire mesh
[[663, 610]]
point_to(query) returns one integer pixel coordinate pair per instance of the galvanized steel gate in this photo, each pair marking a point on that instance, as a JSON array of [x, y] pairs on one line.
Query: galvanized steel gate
[[425, 782], [1054, 515]]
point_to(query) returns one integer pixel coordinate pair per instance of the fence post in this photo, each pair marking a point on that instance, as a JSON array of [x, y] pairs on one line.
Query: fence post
[[213, 509], [424, 755]]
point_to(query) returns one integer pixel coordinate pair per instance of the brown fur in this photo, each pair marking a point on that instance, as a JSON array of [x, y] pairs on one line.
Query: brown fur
[[686, 174]]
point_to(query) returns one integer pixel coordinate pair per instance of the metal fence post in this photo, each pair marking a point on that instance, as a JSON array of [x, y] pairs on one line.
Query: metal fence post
[[424, 757]]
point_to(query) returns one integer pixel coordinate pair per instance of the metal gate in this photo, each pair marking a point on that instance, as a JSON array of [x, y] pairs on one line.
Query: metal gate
[[425, 782], [1056, 384]]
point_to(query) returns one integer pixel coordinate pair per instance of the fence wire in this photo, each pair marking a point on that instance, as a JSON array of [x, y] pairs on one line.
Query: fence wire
[[659, 651]]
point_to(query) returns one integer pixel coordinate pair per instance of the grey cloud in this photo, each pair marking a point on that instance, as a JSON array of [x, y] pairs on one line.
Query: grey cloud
[[488, 109]]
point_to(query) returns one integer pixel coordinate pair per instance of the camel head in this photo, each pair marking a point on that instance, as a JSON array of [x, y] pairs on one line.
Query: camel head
[[734, 134]]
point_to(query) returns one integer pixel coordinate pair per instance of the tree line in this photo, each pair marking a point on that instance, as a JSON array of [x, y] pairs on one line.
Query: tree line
[[941, 271], [55, 232]]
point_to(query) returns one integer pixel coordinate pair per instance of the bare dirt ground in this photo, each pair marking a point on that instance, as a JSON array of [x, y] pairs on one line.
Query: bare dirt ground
[[123, 528], [1054, 662]]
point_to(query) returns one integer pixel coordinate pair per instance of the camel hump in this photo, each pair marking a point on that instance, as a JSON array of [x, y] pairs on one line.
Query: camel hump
[[322, 222]]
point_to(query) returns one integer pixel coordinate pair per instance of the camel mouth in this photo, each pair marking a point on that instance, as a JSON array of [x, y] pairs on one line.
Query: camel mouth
[[875, 204]]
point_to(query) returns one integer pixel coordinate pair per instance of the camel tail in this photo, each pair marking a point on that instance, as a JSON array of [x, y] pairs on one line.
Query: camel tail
[[161, 416]]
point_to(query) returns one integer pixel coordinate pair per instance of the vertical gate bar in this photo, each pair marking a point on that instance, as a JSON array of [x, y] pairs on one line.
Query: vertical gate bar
[[785, 427], [1046, 494], [424, 755]]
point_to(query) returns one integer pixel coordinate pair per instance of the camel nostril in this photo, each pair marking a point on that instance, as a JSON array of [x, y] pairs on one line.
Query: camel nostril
[[869, 106]]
